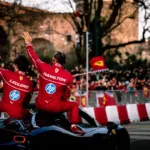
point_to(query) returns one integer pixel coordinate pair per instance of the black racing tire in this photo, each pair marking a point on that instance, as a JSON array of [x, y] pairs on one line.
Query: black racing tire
[[123, 140]]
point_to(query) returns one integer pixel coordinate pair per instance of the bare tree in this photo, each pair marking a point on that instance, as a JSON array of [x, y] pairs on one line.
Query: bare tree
[[93, 19]]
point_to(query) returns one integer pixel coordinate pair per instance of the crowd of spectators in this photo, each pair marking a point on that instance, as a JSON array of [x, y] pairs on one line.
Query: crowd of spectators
[[129, 80]]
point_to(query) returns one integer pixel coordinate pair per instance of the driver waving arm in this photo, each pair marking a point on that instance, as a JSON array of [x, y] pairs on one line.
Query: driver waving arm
[[32, 54]]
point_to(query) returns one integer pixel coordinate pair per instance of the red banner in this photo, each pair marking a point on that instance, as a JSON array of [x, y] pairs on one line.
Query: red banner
[[110, 100], [145, 92], [105, 99], [82, 101], [98, 63]]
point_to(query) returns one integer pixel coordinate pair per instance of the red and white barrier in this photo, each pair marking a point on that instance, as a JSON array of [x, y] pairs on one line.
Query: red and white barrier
[[123, 114], [133, 112], [112, 114], [142, 112], [120, 114], [148, 109], [100, 115]]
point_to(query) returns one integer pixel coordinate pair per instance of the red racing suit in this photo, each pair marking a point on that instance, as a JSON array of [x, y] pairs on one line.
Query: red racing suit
[[55, 85], [16, 90]]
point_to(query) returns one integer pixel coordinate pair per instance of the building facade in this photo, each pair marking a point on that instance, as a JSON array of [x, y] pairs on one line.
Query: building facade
[[56, 31], [50, 31]]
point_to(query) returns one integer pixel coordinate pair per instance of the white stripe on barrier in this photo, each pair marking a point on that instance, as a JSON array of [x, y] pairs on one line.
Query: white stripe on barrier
[[90, 111], [133, 112], [112, 114], [147, 105]]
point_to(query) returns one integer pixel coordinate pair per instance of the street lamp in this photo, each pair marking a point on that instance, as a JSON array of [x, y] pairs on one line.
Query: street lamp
[[87, 65]]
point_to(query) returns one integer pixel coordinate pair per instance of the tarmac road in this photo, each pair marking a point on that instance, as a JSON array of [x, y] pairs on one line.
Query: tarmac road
[[140, 145], [140, 135]]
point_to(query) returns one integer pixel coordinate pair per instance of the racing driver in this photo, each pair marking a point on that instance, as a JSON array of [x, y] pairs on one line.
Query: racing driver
[[17, 89], [55, 85]]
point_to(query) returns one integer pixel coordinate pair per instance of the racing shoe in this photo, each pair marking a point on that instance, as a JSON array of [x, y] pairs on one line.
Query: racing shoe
[[77, 130]]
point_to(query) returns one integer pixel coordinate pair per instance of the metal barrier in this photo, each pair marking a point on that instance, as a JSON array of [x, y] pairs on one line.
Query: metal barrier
[[121, 97]]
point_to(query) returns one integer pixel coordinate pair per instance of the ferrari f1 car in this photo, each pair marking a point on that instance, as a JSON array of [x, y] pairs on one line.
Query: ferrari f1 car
[[42, 130]]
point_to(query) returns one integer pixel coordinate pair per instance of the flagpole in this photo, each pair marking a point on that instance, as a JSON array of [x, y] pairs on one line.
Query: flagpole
[[87, 67]]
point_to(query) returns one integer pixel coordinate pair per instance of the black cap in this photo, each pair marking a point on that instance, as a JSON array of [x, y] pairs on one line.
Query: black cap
[[61, 57]]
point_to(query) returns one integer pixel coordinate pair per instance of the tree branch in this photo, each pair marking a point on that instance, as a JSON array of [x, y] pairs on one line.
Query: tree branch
[[117, 4], [119, 22], [123, 44]]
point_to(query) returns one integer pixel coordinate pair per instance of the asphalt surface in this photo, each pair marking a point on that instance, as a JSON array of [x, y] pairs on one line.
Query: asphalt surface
[[139, 134]]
